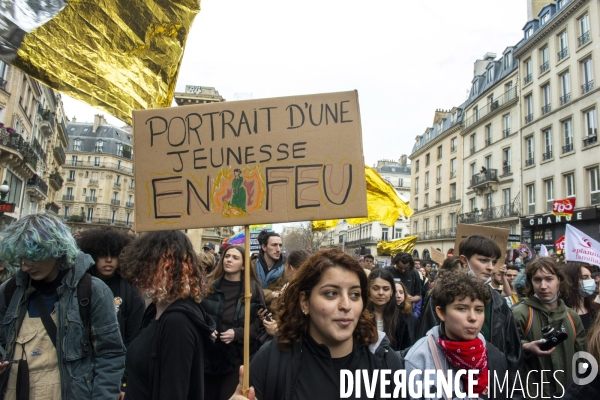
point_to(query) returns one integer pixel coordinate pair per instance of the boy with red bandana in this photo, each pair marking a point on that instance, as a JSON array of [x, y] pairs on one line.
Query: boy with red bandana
[[456, 343]]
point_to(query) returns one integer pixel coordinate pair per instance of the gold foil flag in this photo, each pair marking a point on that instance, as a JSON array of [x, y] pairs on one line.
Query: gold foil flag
[[114, 55], [393, 247], [383, 204]]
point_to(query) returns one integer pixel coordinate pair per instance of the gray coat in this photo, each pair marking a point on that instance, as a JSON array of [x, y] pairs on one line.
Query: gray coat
[[96, 376]]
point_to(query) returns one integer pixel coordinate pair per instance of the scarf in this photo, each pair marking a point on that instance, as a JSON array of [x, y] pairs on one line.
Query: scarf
[[468, 355]]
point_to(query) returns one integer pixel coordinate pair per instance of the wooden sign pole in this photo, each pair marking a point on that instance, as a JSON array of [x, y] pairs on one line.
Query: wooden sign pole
[[247, 298]]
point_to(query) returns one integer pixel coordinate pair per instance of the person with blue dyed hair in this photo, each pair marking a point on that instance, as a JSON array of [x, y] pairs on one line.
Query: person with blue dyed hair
[[54, 341]]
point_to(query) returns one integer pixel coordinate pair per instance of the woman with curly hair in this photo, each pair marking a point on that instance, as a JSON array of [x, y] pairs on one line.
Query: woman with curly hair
[[581, 296], [382, 304], [456, 344], [406, 312], [225, 304], [105, 245], [324, 327], [166, 360], [62, 352]]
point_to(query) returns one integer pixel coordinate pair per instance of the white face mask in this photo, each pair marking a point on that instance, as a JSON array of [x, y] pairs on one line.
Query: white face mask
[[548, 301], [587, 287]]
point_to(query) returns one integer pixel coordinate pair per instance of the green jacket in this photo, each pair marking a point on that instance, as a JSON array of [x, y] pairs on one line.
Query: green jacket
[[558, 365]]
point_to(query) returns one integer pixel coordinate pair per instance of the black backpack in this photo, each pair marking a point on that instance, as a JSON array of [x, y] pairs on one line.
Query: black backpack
[[84, 295]]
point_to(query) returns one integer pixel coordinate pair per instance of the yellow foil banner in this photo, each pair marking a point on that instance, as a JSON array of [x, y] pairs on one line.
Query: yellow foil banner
[[393, 247], [383, 204], [114, 55]]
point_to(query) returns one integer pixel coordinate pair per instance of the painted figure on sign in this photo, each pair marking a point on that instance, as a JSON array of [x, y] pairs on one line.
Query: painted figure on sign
[[239, 191]]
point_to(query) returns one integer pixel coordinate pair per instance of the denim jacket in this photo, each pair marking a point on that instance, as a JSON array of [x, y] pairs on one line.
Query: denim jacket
[[95, 376]]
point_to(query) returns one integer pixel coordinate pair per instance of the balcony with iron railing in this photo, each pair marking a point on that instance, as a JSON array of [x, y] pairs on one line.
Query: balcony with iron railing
[[47, 123], [117, 184], [53, 208], [528, 118], [448, 233], [565, 99], [426, 185], [590, 139], [506, 169], [547, 155], [509, 97], [93, 181], [583, 39], [38, 183], [529, 162], [488, 141], [528, 79], [70, 179], [68, 197], [365, 240], [511, 210], [544, 67], [115, 202], [439, 180], [39, 150], [473, 149], [489, 175], [3, 84], [563, 53], [16, 142], [129, 204], [60, 155], [56, 179], [586, 87], [100, 165], [567, 148], [506, 132], [546, 109], [91, 199], [452, 174], [97, 221]]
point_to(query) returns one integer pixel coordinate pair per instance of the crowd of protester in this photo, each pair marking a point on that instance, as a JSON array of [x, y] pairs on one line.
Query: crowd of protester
[[104, 315]]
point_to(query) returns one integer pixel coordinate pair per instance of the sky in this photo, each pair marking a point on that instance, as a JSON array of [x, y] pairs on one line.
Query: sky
[[405, 59]]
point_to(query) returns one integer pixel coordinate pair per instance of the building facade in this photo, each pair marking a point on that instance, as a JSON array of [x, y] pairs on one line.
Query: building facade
[[436, 181], [30, 142], [99, 181], [558, 59], [491, 192]]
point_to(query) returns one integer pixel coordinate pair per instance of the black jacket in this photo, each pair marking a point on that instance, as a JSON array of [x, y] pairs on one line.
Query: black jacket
[[504, 333], [274, 373], [577, 392], [221, 358], [176, 368]]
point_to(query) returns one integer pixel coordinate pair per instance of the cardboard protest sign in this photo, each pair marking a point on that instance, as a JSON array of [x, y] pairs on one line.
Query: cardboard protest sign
[[498, 235], [437, 256], [249, 162]]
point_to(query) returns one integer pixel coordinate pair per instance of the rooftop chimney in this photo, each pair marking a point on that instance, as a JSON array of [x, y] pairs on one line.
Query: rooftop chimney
[[74, 119], [403, 159], [481, 65], [99, 120]]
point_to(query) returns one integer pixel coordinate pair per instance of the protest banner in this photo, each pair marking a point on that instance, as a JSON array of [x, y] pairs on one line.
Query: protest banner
[[498, 235], [559, 245], [249, 162], [581, 247], [564, 207], [437, 256]]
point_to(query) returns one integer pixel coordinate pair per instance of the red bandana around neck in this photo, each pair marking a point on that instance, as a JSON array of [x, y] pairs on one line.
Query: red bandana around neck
[[468, 355]]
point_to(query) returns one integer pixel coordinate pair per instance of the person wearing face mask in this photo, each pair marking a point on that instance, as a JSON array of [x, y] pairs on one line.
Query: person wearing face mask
[[581, 295], [456, 344], [545, 284], [382, 304], [478, 255]]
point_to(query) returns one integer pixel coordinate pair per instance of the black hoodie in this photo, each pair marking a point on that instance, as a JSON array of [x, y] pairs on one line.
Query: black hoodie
[[166, 361]]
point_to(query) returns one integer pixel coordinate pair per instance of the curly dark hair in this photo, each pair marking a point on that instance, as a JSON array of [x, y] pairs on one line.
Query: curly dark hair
[[457, 285], [163, 266], [293, 324], [550, 266], [405, 258], [573, 272], [100, 242]]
